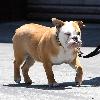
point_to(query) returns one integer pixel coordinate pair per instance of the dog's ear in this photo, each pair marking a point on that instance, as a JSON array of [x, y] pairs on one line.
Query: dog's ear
[[58, 23], [80, 23]]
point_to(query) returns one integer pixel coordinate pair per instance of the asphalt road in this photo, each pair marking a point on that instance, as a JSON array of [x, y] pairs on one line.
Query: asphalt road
[[39, 90]]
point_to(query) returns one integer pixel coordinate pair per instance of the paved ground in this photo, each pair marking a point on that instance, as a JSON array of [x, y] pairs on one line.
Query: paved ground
[[39, 90]]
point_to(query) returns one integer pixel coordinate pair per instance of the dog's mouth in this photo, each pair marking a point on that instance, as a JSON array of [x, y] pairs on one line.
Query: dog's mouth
[[74, 44]]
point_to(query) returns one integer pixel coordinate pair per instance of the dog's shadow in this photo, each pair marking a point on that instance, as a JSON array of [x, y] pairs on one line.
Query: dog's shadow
[[94, 82], [44, 87]]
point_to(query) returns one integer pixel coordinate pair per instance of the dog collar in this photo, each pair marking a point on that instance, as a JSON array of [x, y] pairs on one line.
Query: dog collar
[[57, 39]]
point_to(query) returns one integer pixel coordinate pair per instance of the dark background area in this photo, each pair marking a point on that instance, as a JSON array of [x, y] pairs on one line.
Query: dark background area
[[11, 10], [87, 10], [14, 13], [66, 9]]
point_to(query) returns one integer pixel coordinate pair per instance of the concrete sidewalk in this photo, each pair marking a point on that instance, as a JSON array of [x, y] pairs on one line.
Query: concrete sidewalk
[[90, 34], [39, 90]]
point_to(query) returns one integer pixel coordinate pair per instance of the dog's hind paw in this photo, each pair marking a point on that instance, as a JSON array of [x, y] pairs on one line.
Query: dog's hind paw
[[28, 82], [18, 80]]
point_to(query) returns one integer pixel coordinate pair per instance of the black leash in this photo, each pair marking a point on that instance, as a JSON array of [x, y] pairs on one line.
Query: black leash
[[93, 53]]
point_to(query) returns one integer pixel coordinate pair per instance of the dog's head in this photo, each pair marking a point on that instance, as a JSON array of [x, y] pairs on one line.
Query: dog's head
[[69, 32]]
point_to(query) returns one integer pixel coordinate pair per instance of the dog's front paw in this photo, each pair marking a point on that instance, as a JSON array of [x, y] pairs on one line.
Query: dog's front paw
[[78, 78], [78, 81]]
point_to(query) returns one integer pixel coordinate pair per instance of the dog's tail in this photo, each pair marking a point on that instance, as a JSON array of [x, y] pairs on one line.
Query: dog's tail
[[93, 53]]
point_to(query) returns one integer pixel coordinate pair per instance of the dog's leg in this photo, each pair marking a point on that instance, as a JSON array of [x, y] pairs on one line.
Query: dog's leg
[[17, 77], [25, 68], [79, 71], [49, 74], [19, 58]]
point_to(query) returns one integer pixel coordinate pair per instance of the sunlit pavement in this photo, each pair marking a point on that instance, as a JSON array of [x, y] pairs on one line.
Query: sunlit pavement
[[39, 90]]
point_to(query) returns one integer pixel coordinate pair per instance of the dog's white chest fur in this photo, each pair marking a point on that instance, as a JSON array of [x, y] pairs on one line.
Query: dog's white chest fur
[[64, 56]]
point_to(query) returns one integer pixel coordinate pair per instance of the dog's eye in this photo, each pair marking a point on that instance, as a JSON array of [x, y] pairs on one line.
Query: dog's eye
[[68, 34]]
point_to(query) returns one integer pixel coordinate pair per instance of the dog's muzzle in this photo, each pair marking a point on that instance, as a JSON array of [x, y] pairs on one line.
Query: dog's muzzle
[[76, 39], [75, 42]]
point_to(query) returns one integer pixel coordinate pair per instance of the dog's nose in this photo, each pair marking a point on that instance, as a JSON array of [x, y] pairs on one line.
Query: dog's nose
[[75, 38]]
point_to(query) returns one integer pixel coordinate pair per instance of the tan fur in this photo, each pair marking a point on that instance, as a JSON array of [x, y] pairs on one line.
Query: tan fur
[[36, 42], [75, 24]]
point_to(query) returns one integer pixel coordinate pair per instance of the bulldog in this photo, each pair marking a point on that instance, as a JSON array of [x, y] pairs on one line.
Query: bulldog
[[49, 45]]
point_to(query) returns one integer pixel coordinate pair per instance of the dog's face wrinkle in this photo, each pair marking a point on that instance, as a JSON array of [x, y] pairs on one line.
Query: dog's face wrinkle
[[65, 30]]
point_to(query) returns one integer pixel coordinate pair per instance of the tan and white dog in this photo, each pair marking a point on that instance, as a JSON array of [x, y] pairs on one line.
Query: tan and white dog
[[51, 46]]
